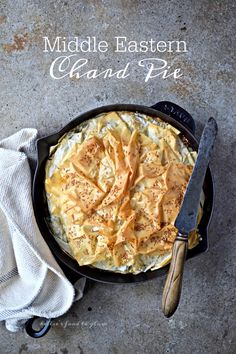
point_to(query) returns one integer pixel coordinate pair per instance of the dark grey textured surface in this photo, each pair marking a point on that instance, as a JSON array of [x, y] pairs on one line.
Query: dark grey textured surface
[[127, 318]]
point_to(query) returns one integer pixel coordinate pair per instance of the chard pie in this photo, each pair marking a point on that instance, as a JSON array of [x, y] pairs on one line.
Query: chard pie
[[114, 186]]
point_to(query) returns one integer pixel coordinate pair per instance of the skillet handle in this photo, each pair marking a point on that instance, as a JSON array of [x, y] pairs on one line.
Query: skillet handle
[[42, 331], [173, 285], [177, 113]]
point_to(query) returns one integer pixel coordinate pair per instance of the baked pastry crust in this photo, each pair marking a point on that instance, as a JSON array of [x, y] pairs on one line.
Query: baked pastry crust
[[114, 187]]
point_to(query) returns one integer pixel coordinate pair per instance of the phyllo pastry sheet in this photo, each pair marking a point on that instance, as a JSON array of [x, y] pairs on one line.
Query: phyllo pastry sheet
[[114, 187]]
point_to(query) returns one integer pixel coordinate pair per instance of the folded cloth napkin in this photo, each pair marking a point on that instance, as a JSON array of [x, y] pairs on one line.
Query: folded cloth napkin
[[31, 281]]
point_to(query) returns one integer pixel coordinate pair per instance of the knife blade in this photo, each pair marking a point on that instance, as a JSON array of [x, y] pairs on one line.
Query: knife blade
[[187, 218]]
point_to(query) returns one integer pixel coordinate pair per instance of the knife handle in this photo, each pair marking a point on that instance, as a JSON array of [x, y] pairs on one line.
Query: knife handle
[[172, 289]]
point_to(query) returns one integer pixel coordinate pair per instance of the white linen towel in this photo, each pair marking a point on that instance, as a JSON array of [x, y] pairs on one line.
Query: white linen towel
[[31, 281]]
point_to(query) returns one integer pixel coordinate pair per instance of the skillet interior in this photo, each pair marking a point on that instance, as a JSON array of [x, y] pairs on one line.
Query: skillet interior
[[41, 209]]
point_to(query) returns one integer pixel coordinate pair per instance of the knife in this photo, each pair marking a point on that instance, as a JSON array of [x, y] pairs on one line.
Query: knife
[[186, 220]]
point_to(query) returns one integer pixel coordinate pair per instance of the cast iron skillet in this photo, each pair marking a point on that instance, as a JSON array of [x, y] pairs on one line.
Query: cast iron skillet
[[173, 115], [168, 112]]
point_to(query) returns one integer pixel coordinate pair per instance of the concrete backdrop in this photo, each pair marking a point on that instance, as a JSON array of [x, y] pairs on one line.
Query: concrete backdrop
[[127, 318]]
